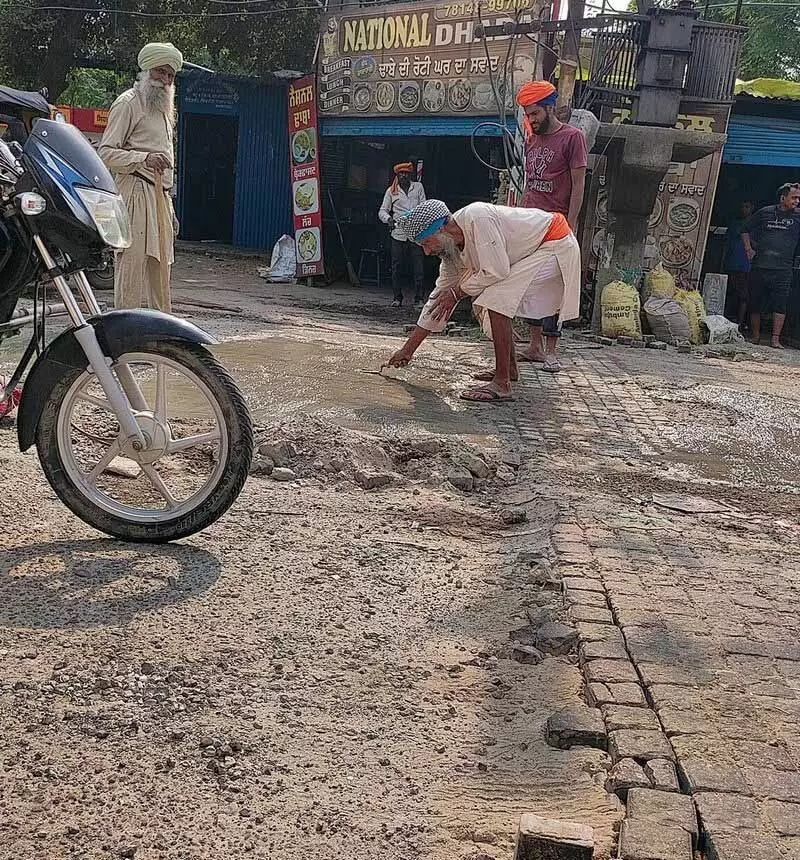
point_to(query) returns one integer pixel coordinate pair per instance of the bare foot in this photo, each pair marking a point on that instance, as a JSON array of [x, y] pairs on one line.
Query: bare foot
[[776, 344], [488, 376], [537, 357]]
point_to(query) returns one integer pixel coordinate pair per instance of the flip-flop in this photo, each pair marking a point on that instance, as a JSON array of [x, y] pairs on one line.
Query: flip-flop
[[521, 356], [488, 376], [551, 366], [493, 396]]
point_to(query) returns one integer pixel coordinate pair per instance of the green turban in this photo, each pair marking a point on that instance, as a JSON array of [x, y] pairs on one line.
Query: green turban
[[160, 54]]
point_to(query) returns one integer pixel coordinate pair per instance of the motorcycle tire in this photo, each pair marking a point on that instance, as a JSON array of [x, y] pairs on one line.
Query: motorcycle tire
[[238, 426], [101, 279]]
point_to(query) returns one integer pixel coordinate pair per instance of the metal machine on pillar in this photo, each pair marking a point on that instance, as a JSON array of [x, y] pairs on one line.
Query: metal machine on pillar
[[661, 70]]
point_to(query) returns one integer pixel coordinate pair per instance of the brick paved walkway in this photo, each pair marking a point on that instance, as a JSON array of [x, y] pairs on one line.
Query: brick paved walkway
[[689, 623]]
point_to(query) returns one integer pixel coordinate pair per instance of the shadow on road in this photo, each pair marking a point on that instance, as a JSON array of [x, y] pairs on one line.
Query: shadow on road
[[96, 583]]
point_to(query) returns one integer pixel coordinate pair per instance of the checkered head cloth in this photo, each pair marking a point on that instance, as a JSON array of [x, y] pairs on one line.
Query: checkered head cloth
[[424, 220]]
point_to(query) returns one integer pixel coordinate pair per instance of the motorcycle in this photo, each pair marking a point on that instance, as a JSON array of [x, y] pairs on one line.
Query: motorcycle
[[18, 111], [140, 431]]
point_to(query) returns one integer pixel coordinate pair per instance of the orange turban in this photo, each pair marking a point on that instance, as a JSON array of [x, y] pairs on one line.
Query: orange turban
[[403, 167], [536, 92]]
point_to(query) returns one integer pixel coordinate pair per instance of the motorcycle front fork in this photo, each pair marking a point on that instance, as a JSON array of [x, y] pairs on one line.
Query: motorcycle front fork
[[121, 390]]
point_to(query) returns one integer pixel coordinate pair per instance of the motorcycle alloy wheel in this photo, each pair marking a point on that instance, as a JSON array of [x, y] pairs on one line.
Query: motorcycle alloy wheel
[[197, 453]]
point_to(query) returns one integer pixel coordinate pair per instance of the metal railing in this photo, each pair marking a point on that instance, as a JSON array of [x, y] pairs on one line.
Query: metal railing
[[711, 72], [619, 46], [618, 43]]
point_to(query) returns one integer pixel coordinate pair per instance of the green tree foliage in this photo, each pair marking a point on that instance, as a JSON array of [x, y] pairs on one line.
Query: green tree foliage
[[771, 48], [44, 47]]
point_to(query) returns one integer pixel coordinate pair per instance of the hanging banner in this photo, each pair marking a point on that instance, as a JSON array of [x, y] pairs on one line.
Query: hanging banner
[[421, 59], [304, 176]]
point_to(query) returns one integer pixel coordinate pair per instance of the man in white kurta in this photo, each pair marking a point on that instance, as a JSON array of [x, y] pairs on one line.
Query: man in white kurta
[[512, 262], [137, 149]]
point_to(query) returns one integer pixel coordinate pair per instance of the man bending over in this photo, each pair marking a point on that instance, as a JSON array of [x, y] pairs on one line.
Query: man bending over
[[512, 262]]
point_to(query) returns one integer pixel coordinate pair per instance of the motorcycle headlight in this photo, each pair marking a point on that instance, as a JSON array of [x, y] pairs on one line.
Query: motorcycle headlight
[[109, 215]]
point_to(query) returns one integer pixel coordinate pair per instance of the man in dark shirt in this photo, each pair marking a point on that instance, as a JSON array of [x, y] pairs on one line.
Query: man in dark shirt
[[736, 263], [770, 240]]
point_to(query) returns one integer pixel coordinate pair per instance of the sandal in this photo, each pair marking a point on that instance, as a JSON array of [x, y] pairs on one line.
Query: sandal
[[484, 394], [551, 365], [488, 376]]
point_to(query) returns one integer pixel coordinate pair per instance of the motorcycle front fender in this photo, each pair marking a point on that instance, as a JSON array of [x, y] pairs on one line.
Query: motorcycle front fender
[[118, 332]]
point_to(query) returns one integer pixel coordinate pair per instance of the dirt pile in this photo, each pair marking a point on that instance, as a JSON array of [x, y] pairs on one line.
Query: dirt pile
[[321, 450]]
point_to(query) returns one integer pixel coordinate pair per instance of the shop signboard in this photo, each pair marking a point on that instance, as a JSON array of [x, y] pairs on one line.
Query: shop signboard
[[210, 96], [423, 59], [679, 223], [304, 176]]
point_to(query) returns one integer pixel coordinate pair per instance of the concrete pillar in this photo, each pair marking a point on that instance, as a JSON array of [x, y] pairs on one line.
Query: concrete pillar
[[637, 161]]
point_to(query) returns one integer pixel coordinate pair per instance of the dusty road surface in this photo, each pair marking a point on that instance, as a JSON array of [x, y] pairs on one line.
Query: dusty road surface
[[343, 669]]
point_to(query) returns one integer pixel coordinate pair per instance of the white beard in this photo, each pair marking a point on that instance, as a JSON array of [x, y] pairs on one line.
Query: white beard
[[449, 249], [157, 97]]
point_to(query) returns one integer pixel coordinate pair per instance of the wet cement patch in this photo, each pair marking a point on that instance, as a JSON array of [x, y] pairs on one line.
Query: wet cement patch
[[282, 377]]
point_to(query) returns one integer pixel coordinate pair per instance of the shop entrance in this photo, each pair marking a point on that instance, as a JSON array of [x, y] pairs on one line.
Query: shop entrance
[[209, 149], [357, 171], [758, 185]]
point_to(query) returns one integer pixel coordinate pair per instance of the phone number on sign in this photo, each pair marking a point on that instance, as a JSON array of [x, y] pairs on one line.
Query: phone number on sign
[[467, 10]]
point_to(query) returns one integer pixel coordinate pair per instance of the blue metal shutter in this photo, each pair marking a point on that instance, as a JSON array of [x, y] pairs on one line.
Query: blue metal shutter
[[764, 141], [419, 126], [263, 210]]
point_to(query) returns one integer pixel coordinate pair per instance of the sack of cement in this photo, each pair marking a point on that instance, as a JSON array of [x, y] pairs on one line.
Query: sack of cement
[[619, 311], [668, 320], [721, 330], [715, 288], [692, 302], [659, 283], [283, 265]]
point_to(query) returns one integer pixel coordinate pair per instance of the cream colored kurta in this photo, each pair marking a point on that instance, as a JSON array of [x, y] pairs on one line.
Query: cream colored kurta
[[131, 135], [507, 267]]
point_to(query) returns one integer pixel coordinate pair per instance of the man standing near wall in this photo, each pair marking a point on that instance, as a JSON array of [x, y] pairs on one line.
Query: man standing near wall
[[400, 198], [555, 175], [137, 149], [770, 240]]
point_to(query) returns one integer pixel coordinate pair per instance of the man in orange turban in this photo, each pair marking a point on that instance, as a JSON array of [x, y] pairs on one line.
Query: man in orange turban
[[555, 175], [400, 198]]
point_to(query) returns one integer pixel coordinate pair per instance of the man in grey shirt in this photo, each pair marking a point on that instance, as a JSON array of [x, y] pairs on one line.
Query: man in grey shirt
[[770, 240], [400, 198]]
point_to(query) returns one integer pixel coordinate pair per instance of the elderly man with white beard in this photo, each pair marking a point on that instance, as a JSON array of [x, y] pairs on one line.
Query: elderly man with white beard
[[137, 149], [511, 262]]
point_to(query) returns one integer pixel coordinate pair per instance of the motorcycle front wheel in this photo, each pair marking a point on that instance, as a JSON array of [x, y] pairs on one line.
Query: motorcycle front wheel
[[197, 452]]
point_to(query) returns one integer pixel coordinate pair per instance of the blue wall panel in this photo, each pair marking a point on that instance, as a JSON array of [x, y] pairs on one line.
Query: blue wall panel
[[262, 208], [263, 195], [764, 141]]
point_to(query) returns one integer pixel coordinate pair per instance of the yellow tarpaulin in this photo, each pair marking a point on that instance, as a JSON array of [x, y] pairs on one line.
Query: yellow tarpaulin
[[769, 88]]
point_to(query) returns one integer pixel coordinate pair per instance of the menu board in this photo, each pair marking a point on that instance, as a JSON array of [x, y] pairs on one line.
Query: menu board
[[403, 59], [679, 223], [304, 176]]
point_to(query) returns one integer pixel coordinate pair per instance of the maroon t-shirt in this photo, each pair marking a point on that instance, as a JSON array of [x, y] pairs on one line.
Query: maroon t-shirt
[[548, 161]]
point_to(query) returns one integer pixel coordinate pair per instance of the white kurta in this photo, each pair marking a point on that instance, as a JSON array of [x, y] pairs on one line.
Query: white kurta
[[507, 267], [131, 135]]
